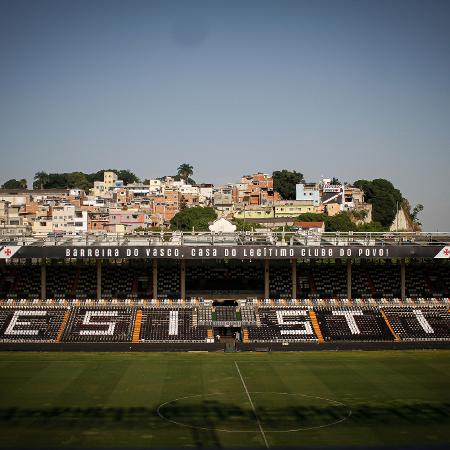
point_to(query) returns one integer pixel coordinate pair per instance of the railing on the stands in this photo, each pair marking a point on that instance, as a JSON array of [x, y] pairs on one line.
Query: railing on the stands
[[256, 237]]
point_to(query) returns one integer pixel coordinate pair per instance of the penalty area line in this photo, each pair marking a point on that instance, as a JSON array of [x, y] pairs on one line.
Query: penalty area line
[[253, 406]]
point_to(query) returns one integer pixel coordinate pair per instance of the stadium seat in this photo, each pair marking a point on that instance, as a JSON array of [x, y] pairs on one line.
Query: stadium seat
[[354, 324]]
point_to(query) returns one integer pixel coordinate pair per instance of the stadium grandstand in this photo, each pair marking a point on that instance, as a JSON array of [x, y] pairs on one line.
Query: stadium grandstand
[[215, 291]]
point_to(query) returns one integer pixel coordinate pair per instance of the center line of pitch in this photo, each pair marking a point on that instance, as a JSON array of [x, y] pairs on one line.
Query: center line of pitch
[[253, 406]]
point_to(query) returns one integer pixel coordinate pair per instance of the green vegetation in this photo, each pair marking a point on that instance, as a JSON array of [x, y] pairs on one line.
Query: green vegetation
[[85, 181], [344, 221], [185, 171], [286, 229], [312, 217], [150, 229], [384, 198], [178, 178], [15, 184], [373, 227], [78, 180], [196, 217], [415, 213], [340, 222], [242, 225], [284, 182], [335, 181], [98, 400], [183, 203]]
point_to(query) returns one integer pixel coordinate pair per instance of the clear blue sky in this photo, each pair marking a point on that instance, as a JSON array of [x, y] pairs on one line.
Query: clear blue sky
[[352, 89]]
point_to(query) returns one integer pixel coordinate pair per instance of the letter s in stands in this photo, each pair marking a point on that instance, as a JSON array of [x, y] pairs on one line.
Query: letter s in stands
[[87, 321]]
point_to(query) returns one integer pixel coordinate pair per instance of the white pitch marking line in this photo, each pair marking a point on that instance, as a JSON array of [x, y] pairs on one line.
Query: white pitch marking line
[[253, 406]]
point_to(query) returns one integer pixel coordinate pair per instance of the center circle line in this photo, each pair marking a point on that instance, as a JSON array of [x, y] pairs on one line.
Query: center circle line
[[198, 427]]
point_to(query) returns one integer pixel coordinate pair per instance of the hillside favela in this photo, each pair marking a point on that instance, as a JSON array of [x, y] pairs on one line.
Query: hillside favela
[[117, 202]]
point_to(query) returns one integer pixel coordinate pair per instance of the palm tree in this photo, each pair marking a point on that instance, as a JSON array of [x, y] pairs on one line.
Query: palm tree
[[40, 180], [23, 183], [185, 171]]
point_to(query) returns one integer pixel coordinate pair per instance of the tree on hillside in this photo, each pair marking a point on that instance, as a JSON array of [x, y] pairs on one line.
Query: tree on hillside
[[340, 222], [97, 176], [384, 198], [284, 182], [183, 203], [197, 218], [414, 214], [188, 181], [40, 180], [77, 180], [125, 175], [80, 180], [57, 181], [185, 171], [372, 227], [311, 217], [44, 180], [15, 184], [343, 221]]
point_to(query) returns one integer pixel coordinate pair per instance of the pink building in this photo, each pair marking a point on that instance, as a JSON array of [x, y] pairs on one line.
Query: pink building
[[123, 220]]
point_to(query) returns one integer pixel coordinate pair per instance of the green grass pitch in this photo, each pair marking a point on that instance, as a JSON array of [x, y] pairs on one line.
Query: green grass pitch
[[144, 400]]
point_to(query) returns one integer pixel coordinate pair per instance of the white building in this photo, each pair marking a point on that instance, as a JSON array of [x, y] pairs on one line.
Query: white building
[[188, 189], [205, 192], [138, 189], [91, 200], [66, 219], [155, 187], [309, 192]]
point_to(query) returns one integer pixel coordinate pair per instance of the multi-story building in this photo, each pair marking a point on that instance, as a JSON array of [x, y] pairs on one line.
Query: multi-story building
[[245, 212], [308, 192], [165, 207], [43, 222], [123, 196], [155, 187], [110, 180], [96, 202], [122, 221], [67, 219], [104, 188], [281, 209], [10, 214], [223, 200], [99, 190], [338, 198], [255, 190], [98, 220], [205, 194], [293, 208]]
